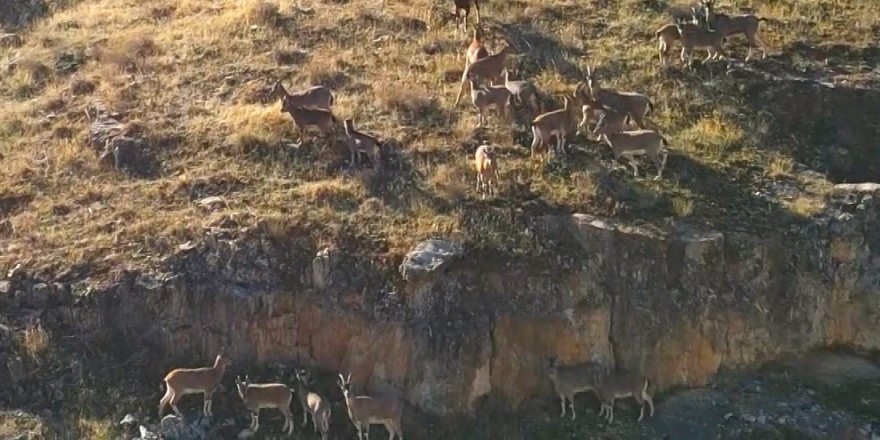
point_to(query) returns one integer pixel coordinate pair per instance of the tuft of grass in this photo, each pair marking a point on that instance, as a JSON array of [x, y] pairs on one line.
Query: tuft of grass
[[806, 206], [683, 207], [262, 12], [35, 342], [779, 166]]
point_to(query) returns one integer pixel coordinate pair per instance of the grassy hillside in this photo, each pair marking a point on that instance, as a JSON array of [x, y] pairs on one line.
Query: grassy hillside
[[193, 77]]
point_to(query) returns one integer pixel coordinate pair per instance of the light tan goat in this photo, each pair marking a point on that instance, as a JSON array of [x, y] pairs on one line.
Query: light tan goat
[[693, 36], [488, 68], [636, 104], [727, 25], [620, 385], [305, 117], [485, 96], [313, 404], [590, 107], [629, 144], [523, 91], [257, 396], [553, 123], [476, 50], [317, 97], [372, 410], [666, 35], [487, 169], [182, 381], [570, 380], [362, 143]]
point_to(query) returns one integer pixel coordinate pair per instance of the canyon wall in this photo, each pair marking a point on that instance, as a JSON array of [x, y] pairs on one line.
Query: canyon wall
[[677, 304]]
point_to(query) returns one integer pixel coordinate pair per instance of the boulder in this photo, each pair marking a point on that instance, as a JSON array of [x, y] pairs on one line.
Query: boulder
[[429, 257]]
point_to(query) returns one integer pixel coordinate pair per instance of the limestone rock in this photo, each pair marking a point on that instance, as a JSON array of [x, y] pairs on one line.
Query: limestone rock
[[173, 427], [17, 372], [428, 257], [318, 275]]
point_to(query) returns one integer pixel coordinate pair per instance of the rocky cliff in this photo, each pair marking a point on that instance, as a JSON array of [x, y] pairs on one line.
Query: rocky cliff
[[678, 304]]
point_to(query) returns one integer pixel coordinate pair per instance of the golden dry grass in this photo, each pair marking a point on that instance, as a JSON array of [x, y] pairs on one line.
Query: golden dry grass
[[195, 76], [35, 341]]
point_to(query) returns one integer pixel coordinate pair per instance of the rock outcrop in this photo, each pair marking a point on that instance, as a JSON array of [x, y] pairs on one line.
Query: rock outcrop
[[678, 305]]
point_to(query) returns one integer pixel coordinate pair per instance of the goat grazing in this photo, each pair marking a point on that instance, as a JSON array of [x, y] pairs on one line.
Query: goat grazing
[[523, 91], [727, 25], [487, 169], [488, 68], [257, 396], [620, 385], [485, 96], [570, 380], [695, 37], [183, 381], [553, 123], [629, 144], [312, 403], [372, 410], [362, 143], [304, 117], [666, 35], [476, 50], [461, 12], [636, 104], [317, 97]]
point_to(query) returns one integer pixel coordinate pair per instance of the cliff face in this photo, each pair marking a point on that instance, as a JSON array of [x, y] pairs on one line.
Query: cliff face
[[678, 306]]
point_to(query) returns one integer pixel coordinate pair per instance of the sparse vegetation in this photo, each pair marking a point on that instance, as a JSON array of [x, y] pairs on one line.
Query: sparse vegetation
[[35, 342], [195, 77]]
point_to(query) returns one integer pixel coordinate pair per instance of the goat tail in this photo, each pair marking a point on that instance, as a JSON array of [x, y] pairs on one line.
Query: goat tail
[[763, 19], [650, 106], [332, 99], [665, 142]]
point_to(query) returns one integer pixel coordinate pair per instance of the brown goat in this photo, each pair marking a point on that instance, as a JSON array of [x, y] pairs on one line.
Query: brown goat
[[488, 68], [476, 50], [727, 25], [487, 170]]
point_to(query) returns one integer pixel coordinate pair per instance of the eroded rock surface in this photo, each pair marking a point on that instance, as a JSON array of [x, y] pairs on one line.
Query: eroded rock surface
[[679, 305]]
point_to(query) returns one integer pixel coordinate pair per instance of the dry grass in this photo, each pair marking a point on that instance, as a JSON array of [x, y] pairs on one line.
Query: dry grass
[[196, 75], [35, 342]]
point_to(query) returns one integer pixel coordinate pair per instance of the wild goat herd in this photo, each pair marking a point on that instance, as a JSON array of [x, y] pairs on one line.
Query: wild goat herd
[[704, 28], [385, 409], [615, 112]]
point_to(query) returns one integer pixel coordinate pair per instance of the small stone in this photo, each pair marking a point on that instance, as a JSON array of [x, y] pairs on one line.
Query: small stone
[[811, 393], [247, 433], [728, 416], [16, 369], [782, 420], [146, 434], [762, 419], [128, 420], [213, 203], [748, 418]]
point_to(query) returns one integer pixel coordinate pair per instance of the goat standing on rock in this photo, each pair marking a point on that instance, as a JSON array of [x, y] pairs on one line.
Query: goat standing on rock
[[182, 381], [368, 410], [257, 396]]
